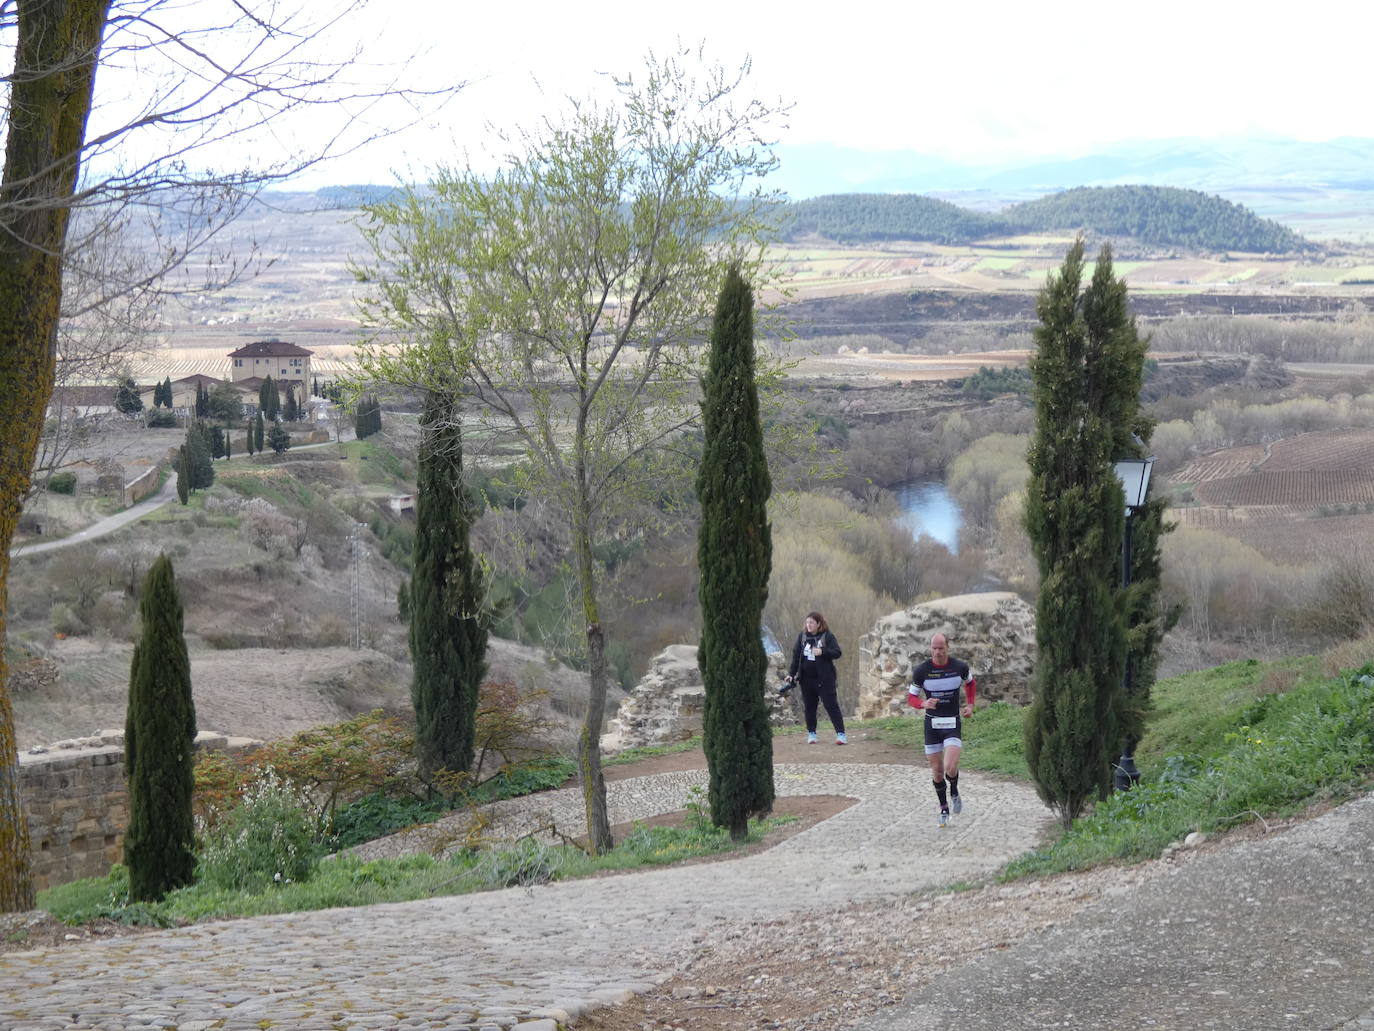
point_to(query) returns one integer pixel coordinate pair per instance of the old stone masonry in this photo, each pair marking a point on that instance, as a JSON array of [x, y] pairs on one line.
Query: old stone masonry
[[522, 958]]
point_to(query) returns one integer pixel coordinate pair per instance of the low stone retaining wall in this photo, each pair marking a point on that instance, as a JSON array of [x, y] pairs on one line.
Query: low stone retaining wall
[[77, 804], [141, 486]]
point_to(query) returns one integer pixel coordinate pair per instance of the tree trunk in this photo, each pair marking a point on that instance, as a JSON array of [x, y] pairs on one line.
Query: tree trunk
[[599, 838], [54, 71]]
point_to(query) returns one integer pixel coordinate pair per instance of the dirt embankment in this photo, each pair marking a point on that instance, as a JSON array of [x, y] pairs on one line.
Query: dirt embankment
[[906, 316]]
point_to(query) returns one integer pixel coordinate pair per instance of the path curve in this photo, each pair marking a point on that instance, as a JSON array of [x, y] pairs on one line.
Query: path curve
[[503, 958]]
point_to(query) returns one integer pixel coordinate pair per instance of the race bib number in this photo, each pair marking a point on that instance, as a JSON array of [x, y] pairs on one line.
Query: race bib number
[[943, 722]]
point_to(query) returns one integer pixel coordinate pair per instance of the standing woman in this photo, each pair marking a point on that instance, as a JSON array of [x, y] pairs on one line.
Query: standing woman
[[813, 666]]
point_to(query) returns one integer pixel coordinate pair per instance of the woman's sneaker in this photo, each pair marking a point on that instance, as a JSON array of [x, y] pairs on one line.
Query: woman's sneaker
[[944, 817], [840, 739], [957, 804], [811, 738]]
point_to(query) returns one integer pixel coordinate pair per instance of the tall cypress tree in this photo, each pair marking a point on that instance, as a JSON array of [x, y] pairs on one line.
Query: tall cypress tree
[[183, 475], [734, 557], [159, 745], [448, 631], [1086, 373], [259, 429], [198, 450]]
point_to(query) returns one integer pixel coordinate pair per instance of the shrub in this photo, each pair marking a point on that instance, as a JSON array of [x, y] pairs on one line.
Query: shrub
[[375, 816], [524, 864], [64, 620], [161, 419], [62, 483], [269, 837]]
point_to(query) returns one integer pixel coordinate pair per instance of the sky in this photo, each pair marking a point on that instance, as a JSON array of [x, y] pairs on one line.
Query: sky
[[985, 83]]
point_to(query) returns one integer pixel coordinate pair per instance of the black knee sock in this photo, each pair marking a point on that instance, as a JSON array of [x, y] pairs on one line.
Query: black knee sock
[[940, 793], [953, 779]]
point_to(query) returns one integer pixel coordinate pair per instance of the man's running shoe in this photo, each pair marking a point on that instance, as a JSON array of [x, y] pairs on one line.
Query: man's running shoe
[[957, 804], [811, 738], [944, 817]]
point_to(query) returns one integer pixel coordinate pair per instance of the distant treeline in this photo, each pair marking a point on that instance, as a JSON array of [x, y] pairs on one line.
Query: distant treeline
[[1161, 216]]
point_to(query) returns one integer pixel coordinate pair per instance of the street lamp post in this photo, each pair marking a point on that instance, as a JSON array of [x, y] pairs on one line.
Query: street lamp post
[[1134, 474]]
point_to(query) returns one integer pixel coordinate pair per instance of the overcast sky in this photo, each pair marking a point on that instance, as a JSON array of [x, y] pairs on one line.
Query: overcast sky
[[986, 82]]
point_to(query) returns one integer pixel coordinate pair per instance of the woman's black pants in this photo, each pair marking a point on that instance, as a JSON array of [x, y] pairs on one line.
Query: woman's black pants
[[814, 693]]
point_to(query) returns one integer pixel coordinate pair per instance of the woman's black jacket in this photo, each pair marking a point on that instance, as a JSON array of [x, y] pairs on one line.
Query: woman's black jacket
[[819, 671]]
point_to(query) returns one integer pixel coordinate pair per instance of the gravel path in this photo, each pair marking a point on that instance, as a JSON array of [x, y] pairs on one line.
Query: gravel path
[[524, 956]]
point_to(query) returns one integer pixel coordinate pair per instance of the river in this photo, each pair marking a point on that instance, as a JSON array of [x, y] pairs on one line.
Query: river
[[928, 508]]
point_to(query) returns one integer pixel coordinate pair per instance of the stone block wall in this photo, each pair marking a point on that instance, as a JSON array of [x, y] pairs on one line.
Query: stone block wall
[[77, 805]]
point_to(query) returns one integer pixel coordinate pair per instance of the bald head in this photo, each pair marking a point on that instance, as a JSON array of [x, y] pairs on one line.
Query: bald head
[[939, 649]]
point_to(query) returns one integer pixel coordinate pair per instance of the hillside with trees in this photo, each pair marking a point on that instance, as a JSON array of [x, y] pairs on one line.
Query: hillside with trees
[[1157, 215], [857, 217]]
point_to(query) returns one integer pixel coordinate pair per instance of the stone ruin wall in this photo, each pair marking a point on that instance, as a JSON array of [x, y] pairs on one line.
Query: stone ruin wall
[[669, 702], [77, 804], [993, 632]]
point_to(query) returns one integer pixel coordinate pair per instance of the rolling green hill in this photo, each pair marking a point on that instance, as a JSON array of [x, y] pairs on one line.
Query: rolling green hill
[[1160, 215], [856, 217], [1157, 215]]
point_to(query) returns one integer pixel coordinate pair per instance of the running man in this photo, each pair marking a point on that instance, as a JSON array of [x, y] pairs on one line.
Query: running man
[[934, 689]]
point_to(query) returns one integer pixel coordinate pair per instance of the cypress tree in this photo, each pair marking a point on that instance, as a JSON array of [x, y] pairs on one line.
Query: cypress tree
[[159, 745], [734, 557], [273, 399], [264, 392], [258, 430], [1086, 373], [292, 412], [198, 445], [448, 631], [248, 439], [183, 475], [167, 392]]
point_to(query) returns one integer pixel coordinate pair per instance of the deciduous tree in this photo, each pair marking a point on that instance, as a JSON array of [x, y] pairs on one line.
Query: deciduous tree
[[568, 292], [159, 745], [208, 72], [734, 556]]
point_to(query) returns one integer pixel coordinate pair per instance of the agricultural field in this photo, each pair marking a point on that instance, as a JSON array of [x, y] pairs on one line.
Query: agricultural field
[[1299, 500]]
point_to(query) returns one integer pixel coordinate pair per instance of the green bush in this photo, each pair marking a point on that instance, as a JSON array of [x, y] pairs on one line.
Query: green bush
[[161, 419], [375, 816], [62, 483], [268, 838]]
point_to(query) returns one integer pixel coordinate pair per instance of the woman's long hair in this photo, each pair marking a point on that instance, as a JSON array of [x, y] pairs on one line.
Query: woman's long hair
[[821, 625]]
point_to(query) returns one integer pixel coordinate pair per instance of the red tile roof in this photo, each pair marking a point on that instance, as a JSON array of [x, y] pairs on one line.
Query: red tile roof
[[270, 349]]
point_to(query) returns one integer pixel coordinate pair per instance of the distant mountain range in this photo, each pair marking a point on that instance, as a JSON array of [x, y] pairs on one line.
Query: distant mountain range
[[1213, 166]]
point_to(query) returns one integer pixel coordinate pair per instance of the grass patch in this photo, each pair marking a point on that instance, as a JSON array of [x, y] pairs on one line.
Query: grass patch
[[633, 755], [1228, 753], [348, 881]]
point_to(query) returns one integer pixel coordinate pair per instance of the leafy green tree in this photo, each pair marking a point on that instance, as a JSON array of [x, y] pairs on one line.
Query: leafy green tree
[[448, 633], [278, 439], [127, 399], [734, 556], [224, 403], [159, 745], [1086, 370], [568, 291]]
